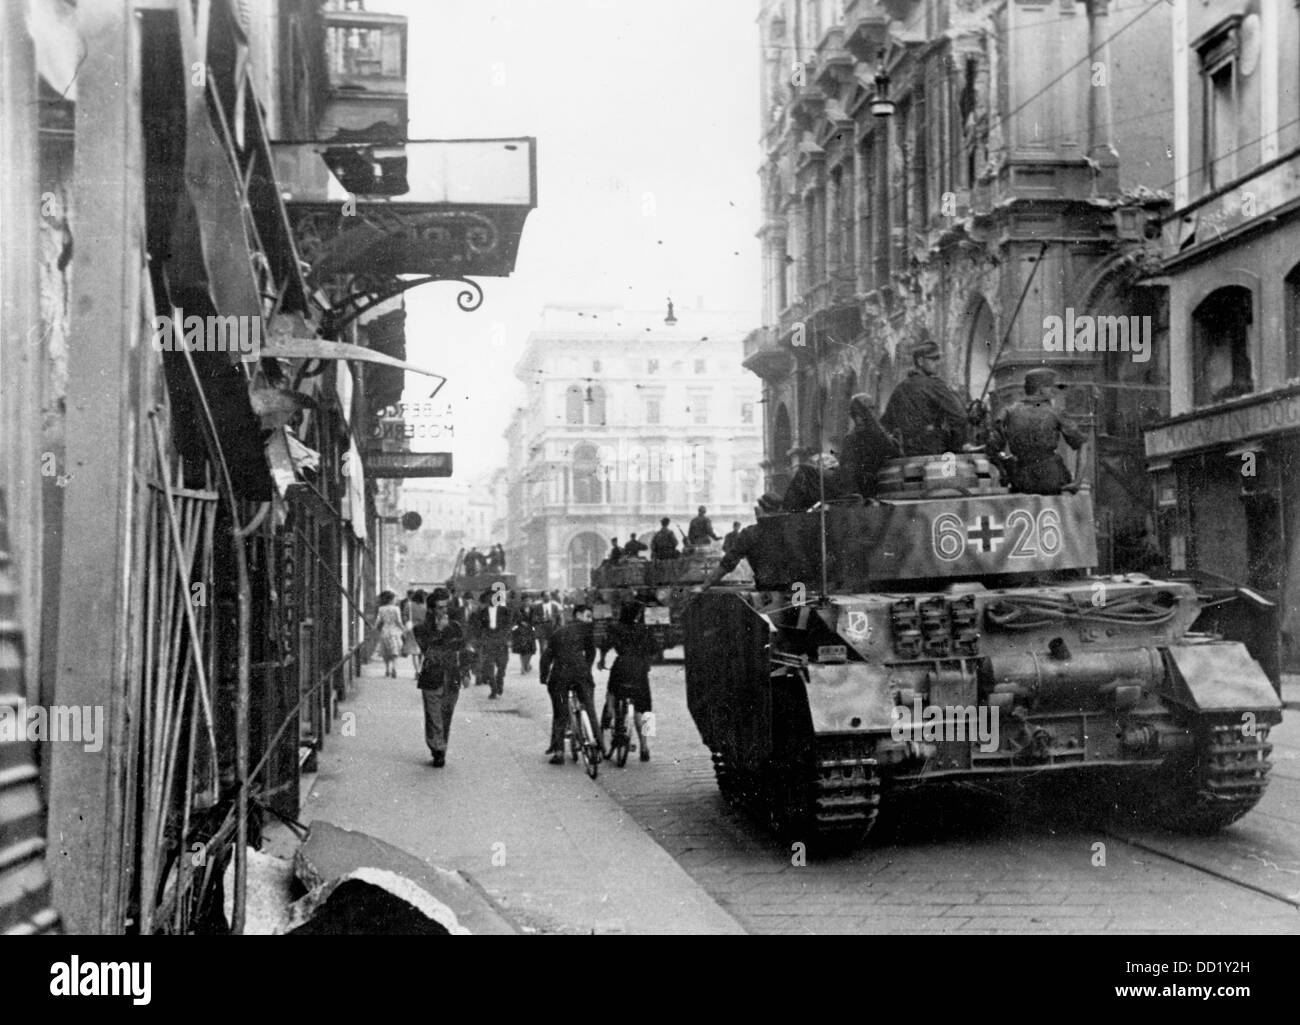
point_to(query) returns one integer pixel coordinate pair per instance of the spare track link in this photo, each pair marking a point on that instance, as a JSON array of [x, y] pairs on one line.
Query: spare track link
[[1230, 775], [846, 791]]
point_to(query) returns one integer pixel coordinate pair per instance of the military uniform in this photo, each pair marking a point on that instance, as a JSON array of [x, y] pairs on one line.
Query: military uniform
[[927, 414], [865, 450], [663, 545], [1032, 429]]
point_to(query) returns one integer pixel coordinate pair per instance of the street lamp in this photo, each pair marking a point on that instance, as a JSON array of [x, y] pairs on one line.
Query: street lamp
[[881, 104]]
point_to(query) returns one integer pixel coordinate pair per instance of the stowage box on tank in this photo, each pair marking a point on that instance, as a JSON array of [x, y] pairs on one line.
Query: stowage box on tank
[[959, 635]]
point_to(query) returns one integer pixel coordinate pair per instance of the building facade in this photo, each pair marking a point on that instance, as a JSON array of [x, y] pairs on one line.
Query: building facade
[[1018, 176], [1224, 463], [456, 516], [626, 419]]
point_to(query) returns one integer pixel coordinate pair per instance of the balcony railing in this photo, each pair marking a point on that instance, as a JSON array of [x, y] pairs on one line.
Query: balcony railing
[[764, 355]]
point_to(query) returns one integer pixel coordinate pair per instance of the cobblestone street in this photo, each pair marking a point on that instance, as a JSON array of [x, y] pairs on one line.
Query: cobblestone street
[[965, 861]]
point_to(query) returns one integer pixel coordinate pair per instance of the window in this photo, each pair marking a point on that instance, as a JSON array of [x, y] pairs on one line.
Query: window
[[573, 399], [652, 366], [595, 366], [586, 475], [1221, 342], [699, 409], [652, 410], [701, 366], [596, 405], [1218, 53], [746, 412]]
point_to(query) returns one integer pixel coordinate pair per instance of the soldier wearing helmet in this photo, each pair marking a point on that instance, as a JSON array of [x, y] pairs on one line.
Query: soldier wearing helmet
[[923, 411], [1032, 430]]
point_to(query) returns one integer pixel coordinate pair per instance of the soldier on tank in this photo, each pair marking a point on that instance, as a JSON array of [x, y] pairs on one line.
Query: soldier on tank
[[746, 545], [663, 545], [865, 450], [1032, 429], [923, 411]]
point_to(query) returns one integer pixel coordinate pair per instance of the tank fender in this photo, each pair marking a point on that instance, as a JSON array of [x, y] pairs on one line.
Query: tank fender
[[1220, 676]]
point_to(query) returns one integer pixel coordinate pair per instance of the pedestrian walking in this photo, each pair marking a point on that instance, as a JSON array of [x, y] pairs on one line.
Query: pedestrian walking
[[416, 610], [491, 633], [629, 678], [392, 633], [566, 665], [441, 640], [523, 639]]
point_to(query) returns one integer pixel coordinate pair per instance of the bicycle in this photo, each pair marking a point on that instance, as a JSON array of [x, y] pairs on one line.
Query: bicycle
[[620, 743], [582, 739]]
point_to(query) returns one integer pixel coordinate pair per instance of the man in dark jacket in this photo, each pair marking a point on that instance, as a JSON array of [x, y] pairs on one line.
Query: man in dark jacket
[[615, 555], [1032, 429], [865, 450], [490, 629], [566, 665], [924, 411], [663, 545], [746, 546], [633, 548], [700, 532], [441, 640], [729, 541]]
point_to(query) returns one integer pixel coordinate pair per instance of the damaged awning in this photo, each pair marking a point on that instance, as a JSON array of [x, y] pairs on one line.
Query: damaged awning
[[290, 347]]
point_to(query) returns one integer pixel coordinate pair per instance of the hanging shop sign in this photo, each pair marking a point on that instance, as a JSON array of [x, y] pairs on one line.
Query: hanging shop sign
[[408, 464]]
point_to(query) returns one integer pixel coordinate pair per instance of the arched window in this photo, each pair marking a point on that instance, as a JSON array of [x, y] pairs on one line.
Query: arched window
[[596, 406], [585, 553], [586, 475], [980, 345], [1221, 336], [573, 405]]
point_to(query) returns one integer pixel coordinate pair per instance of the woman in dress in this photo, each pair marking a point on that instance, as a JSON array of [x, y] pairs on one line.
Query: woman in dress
[[629, 677], [392, 635], [416, 610]]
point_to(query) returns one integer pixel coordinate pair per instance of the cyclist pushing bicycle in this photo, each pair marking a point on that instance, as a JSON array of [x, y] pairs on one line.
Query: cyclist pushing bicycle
[[566, 666], [629, 679]]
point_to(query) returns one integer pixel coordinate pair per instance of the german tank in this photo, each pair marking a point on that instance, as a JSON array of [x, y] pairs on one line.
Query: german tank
[[662, 586], [952, 631]]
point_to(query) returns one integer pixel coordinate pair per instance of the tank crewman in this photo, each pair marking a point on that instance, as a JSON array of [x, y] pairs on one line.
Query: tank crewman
[[700, 532], [730, 539], [615, 555], [865, 450], [814, 479], [924, 411], [633, 548], [473, 562], [1031, 429], [746, 545], [663, 545]]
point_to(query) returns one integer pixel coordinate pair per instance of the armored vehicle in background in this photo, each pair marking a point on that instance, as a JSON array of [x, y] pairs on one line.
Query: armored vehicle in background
[[952, 631], [663, 586]]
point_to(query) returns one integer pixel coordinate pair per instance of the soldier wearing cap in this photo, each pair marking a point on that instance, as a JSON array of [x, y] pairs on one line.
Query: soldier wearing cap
[[924, 411], [1032, 429]]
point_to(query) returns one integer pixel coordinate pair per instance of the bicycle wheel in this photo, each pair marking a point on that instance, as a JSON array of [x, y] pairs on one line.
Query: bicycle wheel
[[622, 743], [590, 750]]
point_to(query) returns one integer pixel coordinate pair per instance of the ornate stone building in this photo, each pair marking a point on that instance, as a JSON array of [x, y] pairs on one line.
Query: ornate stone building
[[625, 420], [1018, 176]]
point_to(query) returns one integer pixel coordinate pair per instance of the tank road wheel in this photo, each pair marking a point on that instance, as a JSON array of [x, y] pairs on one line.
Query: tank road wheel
[[1223, 779]]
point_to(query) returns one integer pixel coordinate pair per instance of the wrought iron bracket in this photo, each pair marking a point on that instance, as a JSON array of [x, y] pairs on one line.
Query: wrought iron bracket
[[357, 302]]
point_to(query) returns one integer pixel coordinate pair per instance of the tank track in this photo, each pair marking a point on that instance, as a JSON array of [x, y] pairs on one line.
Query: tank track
[[1225, 779], [839, 800], [846, 792]]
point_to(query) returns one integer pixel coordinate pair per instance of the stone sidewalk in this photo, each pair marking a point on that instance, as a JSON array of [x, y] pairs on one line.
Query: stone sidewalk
[[549, 846]]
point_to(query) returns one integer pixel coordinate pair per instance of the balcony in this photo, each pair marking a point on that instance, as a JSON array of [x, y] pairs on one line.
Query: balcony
[[365, 61], [865, 28], [432, 207], [834, 63], [806, 106], [765, 356]]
